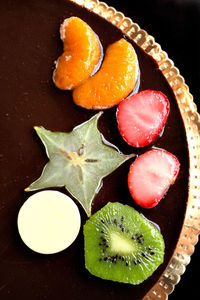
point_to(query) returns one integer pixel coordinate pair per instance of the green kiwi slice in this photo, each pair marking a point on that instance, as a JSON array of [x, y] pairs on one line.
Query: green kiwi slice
[[121, 245]]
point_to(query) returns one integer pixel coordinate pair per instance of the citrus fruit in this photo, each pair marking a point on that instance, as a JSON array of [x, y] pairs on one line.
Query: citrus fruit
[[82, 52]]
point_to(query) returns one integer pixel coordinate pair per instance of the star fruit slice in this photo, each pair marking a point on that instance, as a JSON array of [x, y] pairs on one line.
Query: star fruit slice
[[78, 160]]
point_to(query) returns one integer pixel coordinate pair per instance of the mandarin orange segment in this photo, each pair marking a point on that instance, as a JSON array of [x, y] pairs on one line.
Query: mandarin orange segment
[[113, 82], [82, 52]]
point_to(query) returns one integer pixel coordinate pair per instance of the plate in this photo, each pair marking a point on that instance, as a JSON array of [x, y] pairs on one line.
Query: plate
[[191, 226]]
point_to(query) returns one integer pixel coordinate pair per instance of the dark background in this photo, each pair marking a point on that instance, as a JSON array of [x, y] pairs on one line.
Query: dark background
[[175, 25]]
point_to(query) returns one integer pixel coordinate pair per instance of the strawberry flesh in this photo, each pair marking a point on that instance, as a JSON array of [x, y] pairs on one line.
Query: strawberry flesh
[[151, 175], [142, 117]]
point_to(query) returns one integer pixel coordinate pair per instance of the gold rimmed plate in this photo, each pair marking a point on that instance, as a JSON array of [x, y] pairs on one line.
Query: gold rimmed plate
[[30, 99], [191, 226]]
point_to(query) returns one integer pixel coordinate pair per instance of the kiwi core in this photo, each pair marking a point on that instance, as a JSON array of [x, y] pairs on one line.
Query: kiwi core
[[121, 244]]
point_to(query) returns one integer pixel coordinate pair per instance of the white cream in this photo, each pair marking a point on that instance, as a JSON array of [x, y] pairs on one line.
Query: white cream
[[49, 222]]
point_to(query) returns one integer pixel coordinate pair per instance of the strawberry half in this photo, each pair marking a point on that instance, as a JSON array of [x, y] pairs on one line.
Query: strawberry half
[[142, 117], [150, 176]]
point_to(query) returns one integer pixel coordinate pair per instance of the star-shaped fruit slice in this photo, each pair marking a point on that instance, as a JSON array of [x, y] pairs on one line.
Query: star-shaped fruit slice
[[78, 160]]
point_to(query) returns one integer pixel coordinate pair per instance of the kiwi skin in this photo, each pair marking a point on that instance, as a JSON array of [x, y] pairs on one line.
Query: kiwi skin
[[121, 245]]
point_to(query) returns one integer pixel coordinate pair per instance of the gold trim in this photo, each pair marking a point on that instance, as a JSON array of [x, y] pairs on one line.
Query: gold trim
[[191, 227]]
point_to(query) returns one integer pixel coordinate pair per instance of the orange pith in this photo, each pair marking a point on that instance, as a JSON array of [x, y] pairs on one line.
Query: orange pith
[[81, 54], [113, 82]]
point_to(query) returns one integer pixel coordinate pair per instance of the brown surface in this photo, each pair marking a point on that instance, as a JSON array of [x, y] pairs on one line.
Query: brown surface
[[29, 45]]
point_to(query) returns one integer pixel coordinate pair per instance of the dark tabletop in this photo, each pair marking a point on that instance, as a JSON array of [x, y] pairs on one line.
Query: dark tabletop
[[175, 25]]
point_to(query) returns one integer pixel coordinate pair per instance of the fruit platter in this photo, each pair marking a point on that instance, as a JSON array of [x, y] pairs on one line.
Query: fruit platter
[[99, 159]]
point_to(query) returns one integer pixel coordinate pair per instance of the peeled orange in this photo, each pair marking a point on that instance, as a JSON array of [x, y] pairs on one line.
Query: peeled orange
[[114, 81], [82, 52]]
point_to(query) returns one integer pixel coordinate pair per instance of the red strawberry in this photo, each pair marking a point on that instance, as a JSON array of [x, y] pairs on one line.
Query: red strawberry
[[142, 117], [150, 176]]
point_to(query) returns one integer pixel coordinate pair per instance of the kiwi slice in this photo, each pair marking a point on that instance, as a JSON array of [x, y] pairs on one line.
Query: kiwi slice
[[121, 245]]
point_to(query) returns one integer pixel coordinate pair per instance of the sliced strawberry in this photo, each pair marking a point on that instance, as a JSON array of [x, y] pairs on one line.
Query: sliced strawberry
[[142, 117], [150, 176]]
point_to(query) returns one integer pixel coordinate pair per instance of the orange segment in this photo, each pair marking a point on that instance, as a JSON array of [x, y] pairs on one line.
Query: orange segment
[[82, 52], [113, 82]]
